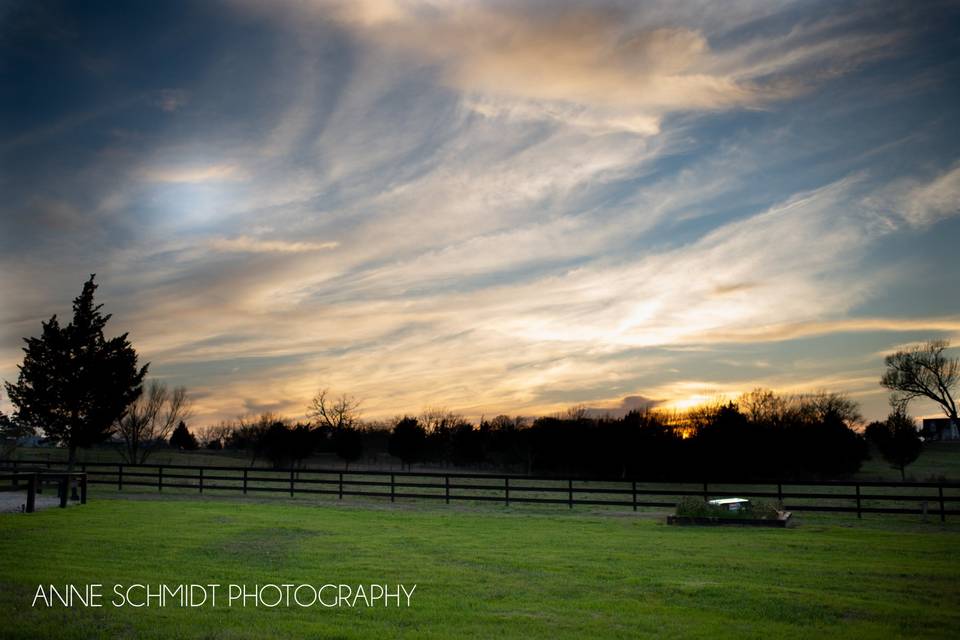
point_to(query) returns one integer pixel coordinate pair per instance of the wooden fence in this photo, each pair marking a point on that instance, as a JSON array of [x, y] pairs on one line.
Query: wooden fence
[[921, 498]]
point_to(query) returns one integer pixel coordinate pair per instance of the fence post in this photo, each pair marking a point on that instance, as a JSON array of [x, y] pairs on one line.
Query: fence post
[[780, 494], [943, 513], [859, 515], [634, 495], [291, 483], [705, 494], [446, 494], [83, 488], [159, 478], [506, 491], [341, 485], [570, 492], [64, 488], [392, 493], [16, 481], [244, 481], [32, 492], [120, 477], [201, 479]]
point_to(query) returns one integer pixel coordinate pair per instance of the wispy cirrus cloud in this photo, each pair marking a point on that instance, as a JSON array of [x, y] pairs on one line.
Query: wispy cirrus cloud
[[927, 203], [524, 340], [247, 244], [192, 174], [608, 66]]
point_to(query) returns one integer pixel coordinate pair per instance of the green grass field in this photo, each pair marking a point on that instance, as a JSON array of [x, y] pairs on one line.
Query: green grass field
[[481, 572]]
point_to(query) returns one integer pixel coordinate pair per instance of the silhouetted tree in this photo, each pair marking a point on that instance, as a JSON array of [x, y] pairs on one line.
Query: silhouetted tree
[[900, 443], [466, 444], [302, 443], [334, 413], [247, 434], [874, 432], [728, 444], [150, 419], [181, 438], [576, 413], [505, 439], [762, 406], [825, 446], [407, 441], [817, 407], [74, 384], [220, 435], [650, 448], [439, 419], [923, 372], [348, 444], [336, 421], [276, 444]]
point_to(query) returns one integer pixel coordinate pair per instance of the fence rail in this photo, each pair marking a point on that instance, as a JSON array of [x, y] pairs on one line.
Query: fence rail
[[934, 498]]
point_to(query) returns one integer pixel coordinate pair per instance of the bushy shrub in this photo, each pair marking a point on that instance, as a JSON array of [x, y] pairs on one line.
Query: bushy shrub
[[762, 510], [697, 508]]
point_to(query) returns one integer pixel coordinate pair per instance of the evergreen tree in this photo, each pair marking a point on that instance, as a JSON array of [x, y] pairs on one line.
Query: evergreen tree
[[74, 384], [407, 441], [900, 445], [181, 438]]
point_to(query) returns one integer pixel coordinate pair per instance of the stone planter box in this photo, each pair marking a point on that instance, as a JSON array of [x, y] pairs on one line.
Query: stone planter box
[[782, 521]]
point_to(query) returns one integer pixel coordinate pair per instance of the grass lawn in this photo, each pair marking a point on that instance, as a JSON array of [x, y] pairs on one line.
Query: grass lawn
[[481, 572], [938, 460]]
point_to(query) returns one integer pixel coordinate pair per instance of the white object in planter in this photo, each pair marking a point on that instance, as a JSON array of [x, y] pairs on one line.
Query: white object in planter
[[730, 504]]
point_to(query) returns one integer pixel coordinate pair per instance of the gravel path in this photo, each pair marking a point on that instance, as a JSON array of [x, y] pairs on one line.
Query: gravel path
[[14, 501]]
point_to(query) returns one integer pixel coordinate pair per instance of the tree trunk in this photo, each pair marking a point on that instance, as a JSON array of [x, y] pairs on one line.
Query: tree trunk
[[71, 461]]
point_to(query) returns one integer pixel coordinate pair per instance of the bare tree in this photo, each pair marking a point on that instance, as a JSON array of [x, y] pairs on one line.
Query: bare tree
[[439, 419], [818, 405], [923, 372], [335, 413], [151, 419], [762, 405], [218, 436]]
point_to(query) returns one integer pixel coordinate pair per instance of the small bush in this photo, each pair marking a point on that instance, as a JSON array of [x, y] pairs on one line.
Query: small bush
[[763, 510], [697, 508]]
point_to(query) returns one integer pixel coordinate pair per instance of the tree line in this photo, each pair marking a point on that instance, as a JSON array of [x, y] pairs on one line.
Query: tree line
[[760, 435], [79, 388]]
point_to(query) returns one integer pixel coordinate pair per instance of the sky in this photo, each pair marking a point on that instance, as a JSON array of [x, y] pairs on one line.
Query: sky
[[489, 207]]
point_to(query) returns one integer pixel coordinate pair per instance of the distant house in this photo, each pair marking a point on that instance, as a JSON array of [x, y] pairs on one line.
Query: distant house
[[939, 429]]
